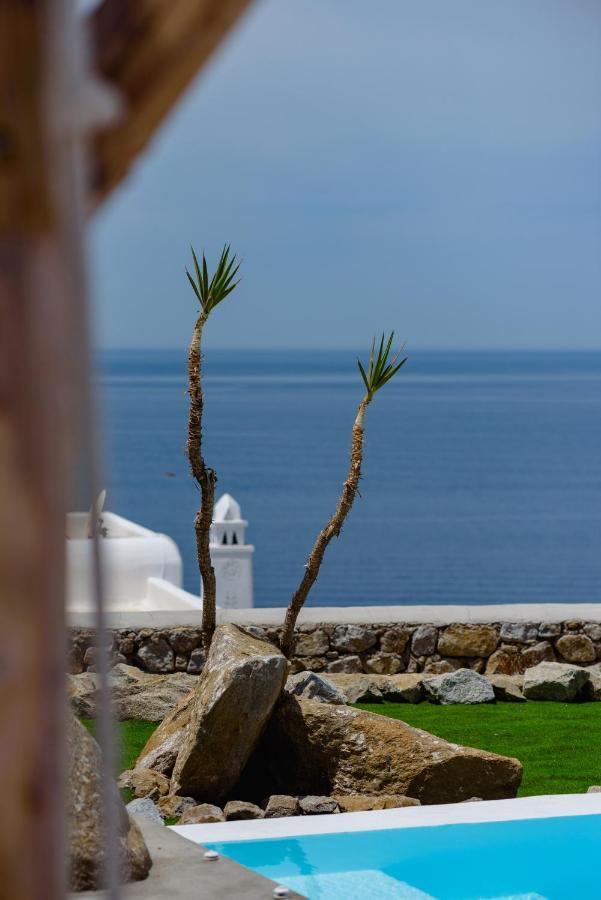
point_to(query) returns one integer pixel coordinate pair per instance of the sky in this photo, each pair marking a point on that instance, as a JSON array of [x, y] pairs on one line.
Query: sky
[[427, 166]]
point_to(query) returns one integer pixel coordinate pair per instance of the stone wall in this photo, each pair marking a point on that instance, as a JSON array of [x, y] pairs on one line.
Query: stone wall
[[502, 648]]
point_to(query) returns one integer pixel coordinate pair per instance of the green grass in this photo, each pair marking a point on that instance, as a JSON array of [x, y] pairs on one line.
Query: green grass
[[557, 743], [131, 736]]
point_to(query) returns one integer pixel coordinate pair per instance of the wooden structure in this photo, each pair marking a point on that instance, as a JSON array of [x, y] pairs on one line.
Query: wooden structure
[[51, 106]]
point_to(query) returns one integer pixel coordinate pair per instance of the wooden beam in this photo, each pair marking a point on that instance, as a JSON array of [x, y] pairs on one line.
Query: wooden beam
[[149, 50]]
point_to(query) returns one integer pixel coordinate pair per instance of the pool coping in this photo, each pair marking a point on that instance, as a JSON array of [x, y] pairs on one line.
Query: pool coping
[[540, 807]]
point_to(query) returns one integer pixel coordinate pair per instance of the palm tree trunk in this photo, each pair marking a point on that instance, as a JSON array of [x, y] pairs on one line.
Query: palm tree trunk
[[332, 529], [206, 479]]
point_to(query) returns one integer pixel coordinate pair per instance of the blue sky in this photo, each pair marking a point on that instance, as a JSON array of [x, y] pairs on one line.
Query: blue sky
[[428, 166]]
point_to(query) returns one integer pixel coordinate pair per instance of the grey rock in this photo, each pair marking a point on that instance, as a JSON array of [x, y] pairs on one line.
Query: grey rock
[[315, 806], [462, 686], [184, 640], [236, 810], [555, 681], [203, 814], [593, 631], [312, 644], [594, 789], [135, 694], [196, 661], [424, 640], [314, 687], [353, 638], [281, 806], [156, 656], [173, 806], [405, 688], [518, 632], [346, 664], [145, 807], [394, 640], [549, 629], [358, 688]]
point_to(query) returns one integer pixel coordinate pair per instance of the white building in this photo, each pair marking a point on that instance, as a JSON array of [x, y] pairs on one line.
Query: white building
[[231, 556]]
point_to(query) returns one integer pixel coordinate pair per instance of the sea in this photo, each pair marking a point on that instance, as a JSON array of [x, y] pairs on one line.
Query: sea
[[481, 479]]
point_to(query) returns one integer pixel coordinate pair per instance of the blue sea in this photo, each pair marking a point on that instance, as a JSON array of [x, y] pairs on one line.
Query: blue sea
[[482, 470]]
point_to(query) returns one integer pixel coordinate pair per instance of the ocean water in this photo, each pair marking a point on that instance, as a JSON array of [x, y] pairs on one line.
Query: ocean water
[[482, 471]]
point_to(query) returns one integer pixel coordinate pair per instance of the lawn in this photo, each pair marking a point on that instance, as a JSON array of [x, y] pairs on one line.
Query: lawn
[[559, 744]]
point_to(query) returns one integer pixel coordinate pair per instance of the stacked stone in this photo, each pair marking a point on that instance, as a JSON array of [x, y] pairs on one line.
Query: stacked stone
[[386, 649]]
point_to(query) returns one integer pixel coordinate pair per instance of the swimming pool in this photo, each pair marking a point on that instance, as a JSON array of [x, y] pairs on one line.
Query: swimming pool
[[523, 849]]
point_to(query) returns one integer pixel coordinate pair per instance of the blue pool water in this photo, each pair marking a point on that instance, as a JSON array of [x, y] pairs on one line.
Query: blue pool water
[[533, 859]]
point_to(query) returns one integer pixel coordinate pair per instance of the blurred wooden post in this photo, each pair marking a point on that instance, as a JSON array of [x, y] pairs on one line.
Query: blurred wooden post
[[40, 335]]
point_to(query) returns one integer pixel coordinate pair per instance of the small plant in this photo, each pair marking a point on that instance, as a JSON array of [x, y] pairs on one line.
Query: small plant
[[380, 369], [210, 293]]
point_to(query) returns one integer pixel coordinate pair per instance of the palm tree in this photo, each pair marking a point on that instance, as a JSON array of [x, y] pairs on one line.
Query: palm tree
[[379, 371], [209, 293]]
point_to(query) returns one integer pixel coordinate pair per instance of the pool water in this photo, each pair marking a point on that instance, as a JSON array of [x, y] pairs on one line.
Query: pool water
[[531, 859]]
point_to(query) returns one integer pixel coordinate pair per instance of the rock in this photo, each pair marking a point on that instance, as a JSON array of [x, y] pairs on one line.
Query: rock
[[441, 666], [172, 806], [203, 814], [394, 640], [549, 629], [518, 632], [406, 688], [384, 664], [576, 648], [424, 640], [314, 643], [594, 686], [236, 693], [468, 640], [541, 652], [161, 749], [594, 789], [346, 664], [352, 638], [196, 661], [156, 655], [505, 661], [135, 694], [87, 838], [236, 810], [312, 664], [281, 806], [145, 807], [144, 783], [357, 688], [314, 687], [554, 681], [365, 803], [508, 688], [463, 686], [593, 631], [317, 806], [184, 640], [314, 748]]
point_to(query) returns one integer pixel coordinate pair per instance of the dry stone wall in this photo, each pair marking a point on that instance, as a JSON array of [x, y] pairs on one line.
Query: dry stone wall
[[501, 649]]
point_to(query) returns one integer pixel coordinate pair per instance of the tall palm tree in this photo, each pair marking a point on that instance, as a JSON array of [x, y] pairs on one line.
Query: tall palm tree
[[209, 293], [380, 370]]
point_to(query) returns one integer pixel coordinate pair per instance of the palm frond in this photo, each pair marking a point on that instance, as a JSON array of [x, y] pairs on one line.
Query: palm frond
[[211, 292], [380, 368]]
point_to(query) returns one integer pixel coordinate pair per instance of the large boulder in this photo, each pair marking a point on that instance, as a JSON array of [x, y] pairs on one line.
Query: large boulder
[[161, 749], [312, 748], [87, 834], [135, 694], [463, 686], [555, 681], [576, 648], [237, 691]]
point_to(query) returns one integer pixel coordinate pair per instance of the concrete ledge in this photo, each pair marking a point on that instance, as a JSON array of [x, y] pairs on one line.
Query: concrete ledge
[[345, 615], [180, 872]]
